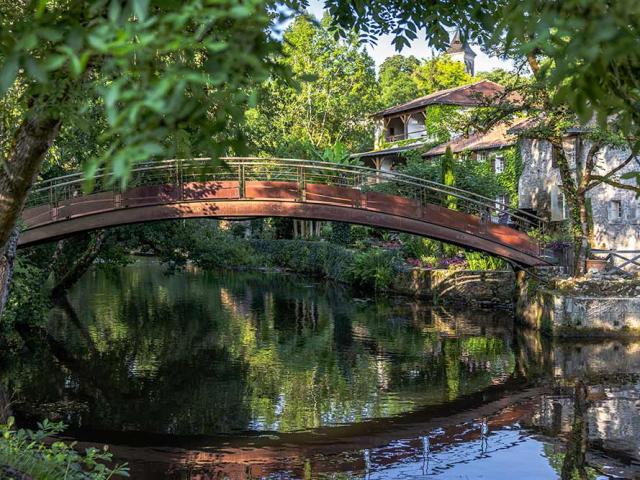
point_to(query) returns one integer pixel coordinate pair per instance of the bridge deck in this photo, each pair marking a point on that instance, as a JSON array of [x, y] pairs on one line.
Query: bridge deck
[[280, 199]]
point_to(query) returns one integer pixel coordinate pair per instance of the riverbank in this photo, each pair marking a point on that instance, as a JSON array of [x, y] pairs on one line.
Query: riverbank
[[587, 307], [376, 271]]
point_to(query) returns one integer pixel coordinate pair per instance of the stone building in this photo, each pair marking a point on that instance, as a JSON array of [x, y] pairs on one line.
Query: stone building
[[403, 127], [615, 212]]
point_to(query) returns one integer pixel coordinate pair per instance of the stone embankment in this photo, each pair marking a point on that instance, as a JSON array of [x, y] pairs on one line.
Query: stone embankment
[[597, 305], [474, 288]]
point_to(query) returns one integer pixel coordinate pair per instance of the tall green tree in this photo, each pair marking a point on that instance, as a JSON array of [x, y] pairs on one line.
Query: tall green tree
[[440, 73], [447, 176], [396, 78], [405, 78], [332, 92]]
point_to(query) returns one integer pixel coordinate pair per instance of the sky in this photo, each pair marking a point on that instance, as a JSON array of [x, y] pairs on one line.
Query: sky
[[418, 48]]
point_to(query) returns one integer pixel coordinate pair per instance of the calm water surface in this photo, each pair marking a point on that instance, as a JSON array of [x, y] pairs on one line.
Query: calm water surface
[[250, 375]]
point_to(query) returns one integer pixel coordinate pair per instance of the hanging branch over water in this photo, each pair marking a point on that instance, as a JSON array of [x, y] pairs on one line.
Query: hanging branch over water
[[80, 267]]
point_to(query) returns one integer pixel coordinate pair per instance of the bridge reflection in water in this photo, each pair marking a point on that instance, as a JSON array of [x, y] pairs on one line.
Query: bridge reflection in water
[[248, 375], [257, 187]]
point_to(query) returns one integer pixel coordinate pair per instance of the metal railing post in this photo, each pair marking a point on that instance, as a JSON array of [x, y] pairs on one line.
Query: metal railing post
[[301, 183], [180, 180], [241, 186]]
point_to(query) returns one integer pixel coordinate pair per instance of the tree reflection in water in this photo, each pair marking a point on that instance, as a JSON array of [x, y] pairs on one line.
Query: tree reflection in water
[[253, 374], [211, 354]]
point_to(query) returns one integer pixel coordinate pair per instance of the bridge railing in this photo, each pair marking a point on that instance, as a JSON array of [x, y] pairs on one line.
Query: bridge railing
[[303, 172]]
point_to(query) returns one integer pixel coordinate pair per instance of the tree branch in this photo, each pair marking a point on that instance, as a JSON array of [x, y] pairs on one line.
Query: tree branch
[[614, 183], [607, 177]]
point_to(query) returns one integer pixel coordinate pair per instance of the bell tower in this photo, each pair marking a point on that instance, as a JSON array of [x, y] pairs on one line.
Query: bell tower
[[461, 51]]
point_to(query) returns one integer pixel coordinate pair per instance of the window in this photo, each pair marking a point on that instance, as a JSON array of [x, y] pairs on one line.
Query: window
[[558, 205], [481, 156], [633, 212], [554, 157], [498, 164], [615, 210]]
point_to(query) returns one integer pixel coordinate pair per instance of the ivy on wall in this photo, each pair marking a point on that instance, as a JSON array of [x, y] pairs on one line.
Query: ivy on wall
[[510, 177], [469, 174]]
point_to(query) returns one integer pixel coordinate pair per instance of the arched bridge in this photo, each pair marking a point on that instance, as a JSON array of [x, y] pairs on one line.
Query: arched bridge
[[268, 187]]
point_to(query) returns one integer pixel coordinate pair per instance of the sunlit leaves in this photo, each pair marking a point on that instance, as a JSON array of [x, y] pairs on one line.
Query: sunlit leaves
[[163, 70], [593, 45], [332, 92]]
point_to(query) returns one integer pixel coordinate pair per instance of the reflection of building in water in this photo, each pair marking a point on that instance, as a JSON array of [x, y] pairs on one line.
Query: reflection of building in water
[[613, 420], [604, 357], [455, 323]]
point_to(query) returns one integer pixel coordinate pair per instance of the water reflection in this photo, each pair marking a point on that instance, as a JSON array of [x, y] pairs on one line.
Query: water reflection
[[209, 354], [250, 375]]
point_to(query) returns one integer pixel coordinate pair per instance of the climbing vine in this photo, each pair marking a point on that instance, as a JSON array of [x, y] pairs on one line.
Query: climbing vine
[[510, 176]]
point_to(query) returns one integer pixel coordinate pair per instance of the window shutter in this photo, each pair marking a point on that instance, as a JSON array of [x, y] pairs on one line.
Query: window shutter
[[615, 210]]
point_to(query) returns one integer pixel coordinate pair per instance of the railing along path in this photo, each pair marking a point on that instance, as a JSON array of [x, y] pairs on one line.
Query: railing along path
[[180, 172]]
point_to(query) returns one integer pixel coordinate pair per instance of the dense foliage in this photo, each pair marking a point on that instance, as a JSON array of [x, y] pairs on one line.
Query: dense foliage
[[25, 454], [332, 90], [592, 45], [169, 75], [397, 82]]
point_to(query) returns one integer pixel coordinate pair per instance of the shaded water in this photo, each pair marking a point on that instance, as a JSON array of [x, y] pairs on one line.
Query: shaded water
[[201, 375]]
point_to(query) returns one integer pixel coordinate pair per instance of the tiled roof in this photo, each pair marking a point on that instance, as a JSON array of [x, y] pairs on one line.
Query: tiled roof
[[499, 136], [472, 95], [535, 122], [390, 150]]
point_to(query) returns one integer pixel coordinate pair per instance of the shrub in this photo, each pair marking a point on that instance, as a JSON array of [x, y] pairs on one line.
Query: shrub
[[418, 247], [340, 233], [23, 453], [482, 261], [217, 251], [310, 257], [373, 269]]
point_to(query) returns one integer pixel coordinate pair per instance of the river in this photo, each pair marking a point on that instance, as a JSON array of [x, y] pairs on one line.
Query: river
[[202, 375]]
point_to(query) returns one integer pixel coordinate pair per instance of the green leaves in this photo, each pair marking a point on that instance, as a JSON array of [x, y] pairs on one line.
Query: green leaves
[[28, 452], [172, 76], [140, 8], [322, 93], [8, 73], [593, 46]]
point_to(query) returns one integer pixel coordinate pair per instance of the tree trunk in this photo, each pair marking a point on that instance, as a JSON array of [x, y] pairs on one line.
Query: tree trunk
[[575, 461], [80, 267], [6, 267], [582, 242], [32, 141], [5, 405]]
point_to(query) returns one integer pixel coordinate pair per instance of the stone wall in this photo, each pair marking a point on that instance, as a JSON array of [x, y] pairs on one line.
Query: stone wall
[[464, 287], [539, 185], [564, 314], [538, 176]]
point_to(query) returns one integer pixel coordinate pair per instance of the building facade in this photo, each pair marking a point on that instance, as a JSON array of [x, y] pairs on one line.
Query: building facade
[[615, 212]]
